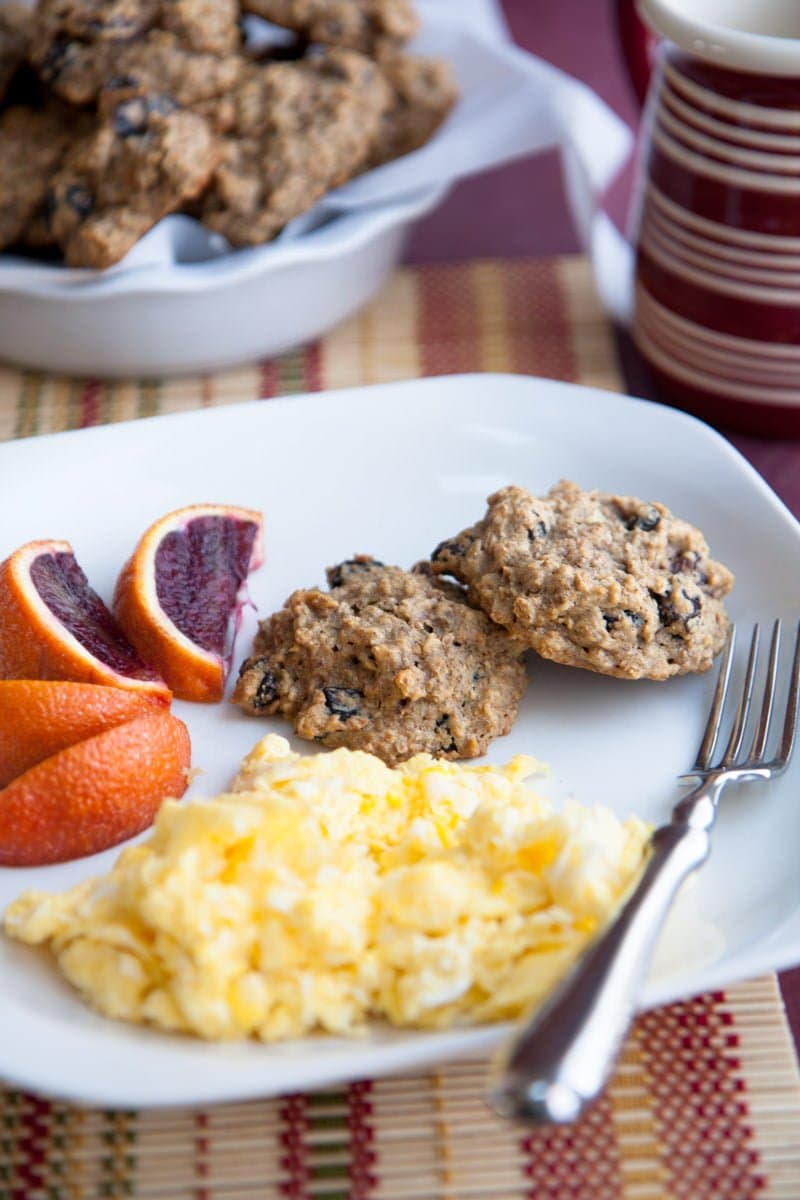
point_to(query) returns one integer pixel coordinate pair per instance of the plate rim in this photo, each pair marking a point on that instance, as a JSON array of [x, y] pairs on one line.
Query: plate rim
[[663, 411]]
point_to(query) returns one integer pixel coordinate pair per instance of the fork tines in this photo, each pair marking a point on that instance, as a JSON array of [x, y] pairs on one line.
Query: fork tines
[[756, 755]]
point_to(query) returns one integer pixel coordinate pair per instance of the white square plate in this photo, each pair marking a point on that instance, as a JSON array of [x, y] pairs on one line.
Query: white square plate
[[391, 471]]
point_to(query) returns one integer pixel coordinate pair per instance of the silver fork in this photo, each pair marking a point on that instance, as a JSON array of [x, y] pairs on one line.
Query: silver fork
[[562, 1058]]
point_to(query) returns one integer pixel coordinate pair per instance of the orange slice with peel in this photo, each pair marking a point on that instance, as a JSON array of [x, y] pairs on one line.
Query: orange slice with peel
[[54, 626], [40, 717], [94, 794], [179, 596]]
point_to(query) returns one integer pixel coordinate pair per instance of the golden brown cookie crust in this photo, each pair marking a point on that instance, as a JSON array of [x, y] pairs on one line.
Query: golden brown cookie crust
[[609, 583], [423, 92], [388, 661], [147, 159], [298, 129]]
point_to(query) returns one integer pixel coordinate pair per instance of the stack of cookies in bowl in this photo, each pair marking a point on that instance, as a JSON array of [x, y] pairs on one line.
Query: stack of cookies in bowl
[[115, 113]]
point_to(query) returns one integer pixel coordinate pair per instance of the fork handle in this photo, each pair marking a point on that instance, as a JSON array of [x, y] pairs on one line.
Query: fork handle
[[563, 1057]]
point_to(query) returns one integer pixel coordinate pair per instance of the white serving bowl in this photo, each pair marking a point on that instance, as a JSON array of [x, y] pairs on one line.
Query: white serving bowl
[[202, 316]]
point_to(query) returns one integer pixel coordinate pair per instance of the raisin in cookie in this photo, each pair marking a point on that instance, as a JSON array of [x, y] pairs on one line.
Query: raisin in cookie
[[591, 580], [114, 185], [204, 25], [159, 63], [298, 129], [357, 24], [389, 661]]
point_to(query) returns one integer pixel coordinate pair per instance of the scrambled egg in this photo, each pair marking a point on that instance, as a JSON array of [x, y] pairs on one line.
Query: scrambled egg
[[325, 890]]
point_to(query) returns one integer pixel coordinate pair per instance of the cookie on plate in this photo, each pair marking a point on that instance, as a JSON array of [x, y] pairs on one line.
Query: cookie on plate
[[593, 580], [145, 161], [297, 129], [356, 24], [389, 661]]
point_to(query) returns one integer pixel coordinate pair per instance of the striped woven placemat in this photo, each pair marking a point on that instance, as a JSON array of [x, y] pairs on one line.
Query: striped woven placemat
[[538, 318], [705, 1104]]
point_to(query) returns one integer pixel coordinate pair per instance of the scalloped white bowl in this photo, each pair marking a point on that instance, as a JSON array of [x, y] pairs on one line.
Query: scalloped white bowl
[[202, 316]]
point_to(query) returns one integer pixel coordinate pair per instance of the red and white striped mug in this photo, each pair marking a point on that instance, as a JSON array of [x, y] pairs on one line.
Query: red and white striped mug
[[716, 227]]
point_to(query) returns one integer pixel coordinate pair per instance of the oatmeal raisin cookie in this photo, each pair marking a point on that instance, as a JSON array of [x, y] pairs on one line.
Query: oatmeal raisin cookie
[[389, 661], [145, 161], [423, 92], [298, 129], [605, 582]]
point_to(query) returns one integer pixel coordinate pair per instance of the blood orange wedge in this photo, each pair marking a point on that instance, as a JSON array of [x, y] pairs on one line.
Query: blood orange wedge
[[39, 717], [179, 596], [94, 794], [54, 626]]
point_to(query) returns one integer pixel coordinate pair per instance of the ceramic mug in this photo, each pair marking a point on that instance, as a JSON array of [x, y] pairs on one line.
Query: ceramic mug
[[716, 219]]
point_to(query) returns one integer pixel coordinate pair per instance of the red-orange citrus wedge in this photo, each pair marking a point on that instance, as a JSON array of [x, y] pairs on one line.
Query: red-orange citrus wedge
[[96, 793], [54, 626], [179, 596], [39, 717]]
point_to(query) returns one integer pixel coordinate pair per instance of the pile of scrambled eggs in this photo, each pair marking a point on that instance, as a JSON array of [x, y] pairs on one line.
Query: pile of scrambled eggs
[[325, 890]]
